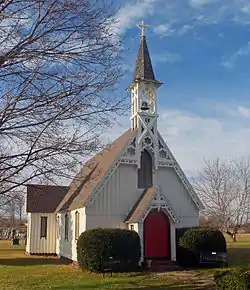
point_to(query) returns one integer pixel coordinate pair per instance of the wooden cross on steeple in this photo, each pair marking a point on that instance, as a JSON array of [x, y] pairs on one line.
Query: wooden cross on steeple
[[142, 26]]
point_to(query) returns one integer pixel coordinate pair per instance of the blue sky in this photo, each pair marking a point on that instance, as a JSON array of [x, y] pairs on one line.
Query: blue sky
[[200, 50]]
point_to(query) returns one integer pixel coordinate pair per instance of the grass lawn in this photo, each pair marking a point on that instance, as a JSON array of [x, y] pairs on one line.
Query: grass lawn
[[239, 252], [19, 271]]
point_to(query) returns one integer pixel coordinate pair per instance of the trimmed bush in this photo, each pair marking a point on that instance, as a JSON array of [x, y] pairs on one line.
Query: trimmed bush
[[184, 257], [197, 240], [179, 233], [233, 279], [96, 246], [203, 240]]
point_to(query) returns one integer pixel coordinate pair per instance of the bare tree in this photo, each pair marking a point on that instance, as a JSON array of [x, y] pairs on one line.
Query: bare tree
[[59, 64], [224, 189], [19, 201]]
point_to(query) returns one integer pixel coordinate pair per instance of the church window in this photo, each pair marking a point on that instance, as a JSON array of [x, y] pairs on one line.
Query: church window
[[43, 229], [145, 173], [77, 224], [66, 227], [147, 140]]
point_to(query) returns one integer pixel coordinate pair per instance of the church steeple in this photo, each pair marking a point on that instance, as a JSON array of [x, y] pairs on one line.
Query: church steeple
[[143, 66], [144, 103]]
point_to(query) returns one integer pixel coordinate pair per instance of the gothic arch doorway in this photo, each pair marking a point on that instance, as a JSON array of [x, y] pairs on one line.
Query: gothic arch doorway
[[157, 236]]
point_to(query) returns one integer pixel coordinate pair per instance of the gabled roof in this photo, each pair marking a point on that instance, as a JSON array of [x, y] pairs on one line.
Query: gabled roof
[[92, 173], [152, 197], [44, 198], [143, 66], [140, 205]]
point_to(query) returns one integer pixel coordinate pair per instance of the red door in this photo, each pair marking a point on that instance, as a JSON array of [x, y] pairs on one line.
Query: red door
[[157, 235]]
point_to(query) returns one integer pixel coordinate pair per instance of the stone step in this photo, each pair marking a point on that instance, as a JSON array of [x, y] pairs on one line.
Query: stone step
[[163, 266]]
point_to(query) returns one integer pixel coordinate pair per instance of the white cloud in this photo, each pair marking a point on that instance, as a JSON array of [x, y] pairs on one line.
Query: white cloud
[[244, 111], [132, 13], [163, 29], [177, 17], [166, 57], [243, 51], [192, 137], [200, 3]]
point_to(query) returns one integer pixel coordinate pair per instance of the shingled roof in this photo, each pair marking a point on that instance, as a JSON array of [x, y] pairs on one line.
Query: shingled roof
[[140, 205], [92, 173], [44, 198], [143, 66]]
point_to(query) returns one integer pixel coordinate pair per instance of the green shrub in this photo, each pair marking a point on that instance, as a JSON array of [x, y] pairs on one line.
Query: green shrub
[[96, 246], [203, 240], [179, 233], [197, 240], [184, 257], [233, 279]]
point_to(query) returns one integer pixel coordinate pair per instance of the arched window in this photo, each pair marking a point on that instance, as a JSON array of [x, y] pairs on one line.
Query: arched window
[[145, 173], [77, 224], [66, 227]]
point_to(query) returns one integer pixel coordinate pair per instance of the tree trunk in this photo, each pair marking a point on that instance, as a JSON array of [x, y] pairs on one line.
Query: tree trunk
[[232, 235]]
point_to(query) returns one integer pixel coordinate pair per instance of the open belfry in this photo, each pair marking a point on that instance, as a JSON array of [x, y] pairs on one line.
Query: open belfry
[[135, 183]]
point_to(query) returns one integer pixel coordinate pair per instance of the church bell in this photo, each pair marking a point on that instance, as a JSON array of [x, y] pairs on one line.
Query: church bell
[[144, 106]]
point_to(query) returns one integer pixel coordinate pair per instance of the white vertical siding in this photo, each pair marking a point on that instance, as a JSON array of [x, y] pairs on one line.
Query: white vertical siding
[[115, 200], [120, 193], [172, 240], [178, 196], [36, 244], [67, 248], [28, 232]]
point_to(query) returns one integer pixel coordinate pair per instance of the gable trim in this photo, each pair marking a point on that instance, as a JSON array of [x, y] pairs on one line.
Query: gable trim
[[159, 201], [156, 200], [109, 174], [174, 164]]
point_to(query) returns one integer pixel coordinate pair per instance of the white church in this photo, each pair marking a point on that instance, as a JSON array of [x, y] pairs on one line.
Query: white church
[[135, 183]]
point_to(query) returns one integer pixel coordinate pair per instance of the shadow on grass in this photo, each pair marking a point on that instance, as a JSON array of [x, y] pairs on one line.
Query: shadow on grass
[[134, 286], [32, 261], [238, 256]]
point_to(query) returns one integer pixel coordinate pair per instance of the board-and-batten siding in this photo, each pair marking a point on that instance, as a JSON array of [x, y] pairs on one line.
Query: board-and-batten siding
[[28, 232], [115, 200], [67, 248], [178, 196], [36, 244]]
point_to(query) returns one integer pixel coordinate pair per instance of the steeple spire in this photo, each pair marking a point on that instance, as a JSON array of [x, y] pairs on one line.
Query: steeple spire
[[144, 103], [143, 66]]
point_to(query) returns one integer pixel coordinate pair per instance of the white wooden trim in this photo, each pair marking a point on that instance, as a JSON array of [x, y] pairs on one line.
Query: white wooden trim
[[159, 203], [181, 175]]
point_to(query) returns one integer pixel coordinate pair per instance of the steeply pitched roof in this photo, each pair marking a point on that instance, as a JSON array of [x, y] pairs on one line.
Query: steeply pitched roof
[[140, 205], [44, 198], [92, 173], [143, 66]]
